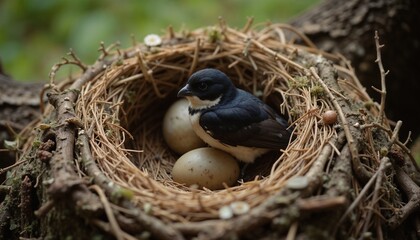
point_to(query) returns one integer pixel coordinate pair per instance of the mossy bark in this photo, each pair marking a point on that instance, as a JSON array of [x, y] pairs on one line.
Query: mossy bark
[[347, 27]]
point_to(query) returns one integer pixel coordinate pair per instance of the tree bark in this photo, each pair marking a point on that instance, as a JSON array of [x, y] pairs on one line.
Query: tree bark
[[347, 27], [19, 105]]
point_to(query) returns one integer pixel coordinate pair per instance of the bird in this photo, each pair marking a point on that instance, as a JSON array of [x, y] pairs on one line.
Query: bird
[[231, 119]]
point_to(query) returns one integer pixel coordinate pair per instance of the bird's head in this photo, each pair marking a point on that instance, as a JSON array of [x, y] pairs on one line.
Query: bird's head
[[206, 88]]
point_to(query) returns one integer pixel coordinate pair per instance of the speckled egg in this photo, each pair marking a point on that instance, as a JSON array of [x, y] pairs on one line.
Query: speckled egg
[[206, 167]]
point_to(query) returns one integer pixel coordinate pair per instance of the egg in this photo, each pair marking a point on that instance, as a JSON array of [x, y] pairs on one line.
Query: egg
[[206, 167], [177, 130]]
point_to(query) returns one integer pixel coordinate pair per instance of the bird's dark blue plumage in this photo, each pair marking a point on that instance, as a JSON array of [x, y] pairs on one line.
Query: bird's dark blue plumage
[[231, 119]]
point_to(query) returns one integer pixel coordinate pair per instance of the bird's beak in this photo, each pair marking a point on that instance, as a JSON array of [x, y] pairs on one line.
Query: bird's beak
[[185, 91]]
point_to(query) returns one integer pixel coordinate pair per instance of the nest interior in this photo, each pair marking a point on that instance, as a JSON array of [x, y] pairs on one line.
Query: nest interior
[[122, 109]]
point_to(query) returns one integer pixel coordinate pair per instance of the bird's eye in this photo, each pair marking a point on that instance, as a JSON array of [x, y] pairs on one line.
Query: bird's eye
[[202, 86]]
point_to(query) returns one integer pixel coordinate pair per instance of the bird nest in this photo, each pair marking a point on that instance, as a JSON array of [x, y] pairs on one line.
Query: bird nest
[[120, 102], [122, 108]]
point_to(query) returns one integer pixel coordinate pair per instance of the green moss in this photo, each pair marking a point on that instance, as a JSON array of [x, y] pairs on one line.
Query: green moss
[[318, 91], [294, 113], [122, 193], [214, 35], [383, 151], [300, 82]]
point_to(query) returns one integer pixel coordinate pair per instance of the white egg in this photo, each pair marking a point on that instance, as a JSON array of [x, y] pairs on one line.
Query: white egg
[[206, 167], [177, 129]]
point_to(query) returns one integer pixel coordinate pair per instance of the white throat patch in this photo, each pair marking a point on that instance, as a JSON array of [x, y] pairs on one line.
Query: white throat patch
[[198, 104]]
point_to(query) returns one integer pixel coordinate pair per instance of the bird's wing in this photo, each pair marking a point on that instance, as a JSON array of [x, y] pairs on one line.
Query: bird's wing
[[248, 123]]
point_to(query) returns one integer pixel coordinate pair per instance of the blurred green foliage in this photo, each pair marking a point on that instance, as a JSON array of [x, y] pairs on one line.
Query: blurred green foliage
[[35, 34]]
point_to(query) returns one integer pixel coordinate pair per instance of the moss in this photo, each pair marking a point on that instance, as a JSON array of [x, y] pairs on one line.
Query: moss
[[318, 91], [214, 35], [122, 193], [299, 82], [294, 113]]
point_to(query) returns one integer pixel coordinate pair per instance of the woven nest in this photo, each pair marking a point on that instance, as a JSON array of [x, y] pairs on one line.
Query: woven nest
[[121, 107]]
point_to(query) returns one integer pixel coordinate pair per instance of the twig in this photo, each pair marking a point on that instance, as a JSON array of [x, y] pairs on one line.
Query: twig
[[319, 165], [76, 60], [291, 234], [276, 55], [45, 208], [394, 140], [248, 25], [38, 178], [408, 138], [383, 74], [223, 27], [106, 50], [394, 136], [377, 125], [41, 97], [412, 190], [11, 125], [65, 61], [115, 228], [103, 50], [382, 167], [321, 203], [305, 39], [171, 33], [146, 74], [3, 170], [195, 57], [385, 163], [63, 170], [89, 72]]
